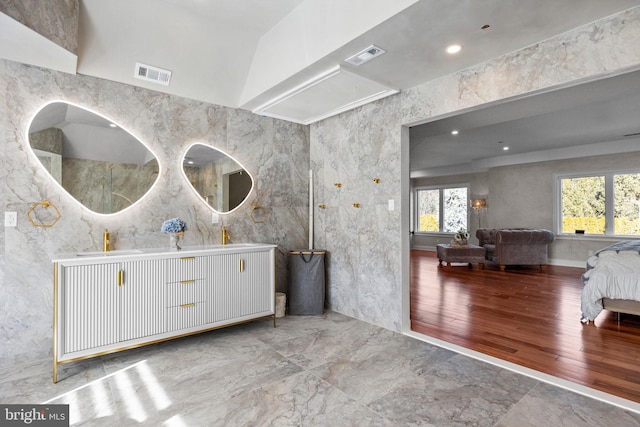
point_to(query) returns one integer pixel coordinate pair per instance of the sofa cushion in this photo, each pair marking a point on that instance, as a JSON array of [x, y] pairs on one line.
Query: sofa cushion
[[524, 236], [515, 246]]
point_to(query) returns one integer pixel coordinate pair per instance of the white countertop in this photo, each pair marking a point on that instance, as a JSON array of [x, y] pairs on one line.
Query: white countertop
[[155, 253]]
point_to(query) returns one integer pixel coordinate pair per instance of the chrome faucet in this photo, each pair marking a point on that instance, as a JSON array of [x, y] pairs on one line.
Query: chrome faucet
[[226, 237], [106, 241]]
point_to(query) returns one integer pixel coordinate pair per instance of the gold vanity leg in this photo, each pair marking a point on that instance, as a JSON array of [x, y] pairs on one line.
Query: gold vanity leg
[[274, 320], [55, 322]]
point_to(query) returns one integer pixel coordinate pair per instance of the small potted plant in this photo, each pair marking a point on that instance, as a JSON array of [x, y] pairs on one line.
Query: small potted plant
[[461, 238]]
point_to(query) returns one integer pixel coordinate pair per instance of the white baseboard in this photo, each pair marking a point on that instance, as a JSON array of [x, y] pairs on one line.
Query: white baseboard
[[423, 248], [568, 263]]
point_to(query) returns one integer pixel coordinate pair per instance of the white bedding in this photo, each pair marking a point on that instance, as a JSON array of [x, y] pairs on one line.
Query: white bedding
[[613, 272]]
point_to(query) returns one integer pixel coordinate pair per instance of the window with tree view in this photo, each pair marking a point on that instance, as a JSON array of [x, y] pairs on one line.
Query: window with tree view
[[607, 204], [441, 210]]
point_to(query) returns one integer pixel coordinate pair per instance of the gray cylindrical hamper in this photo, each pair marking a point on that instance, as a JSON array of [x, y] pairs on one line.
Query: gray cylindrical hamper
[[306, 287]]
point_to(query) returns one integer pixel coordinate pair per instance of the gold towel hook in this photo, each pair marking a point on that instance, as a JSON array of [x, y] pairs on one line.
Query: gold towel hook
[[45, 204]]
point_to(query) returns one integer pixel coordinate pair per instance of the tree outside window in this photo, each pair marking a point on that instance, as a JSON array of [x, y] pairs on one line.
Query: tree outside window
[[583, 204], [626, 197], [441, 210], [603, 204]]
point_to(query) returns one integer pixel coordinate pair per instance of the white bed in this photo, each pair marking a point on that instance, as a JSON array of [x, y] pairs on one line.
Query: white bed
[[612, 281]]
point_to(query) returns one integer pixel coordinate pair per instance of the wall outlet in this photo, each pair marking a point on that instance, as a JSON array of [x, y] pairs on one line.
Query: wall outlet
[[10, 219], [215, 218]]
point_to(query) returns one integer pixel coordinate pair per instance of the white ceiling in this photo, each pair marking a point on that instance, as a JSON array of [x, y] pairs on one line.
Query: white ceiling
[[217, 50], [593, 118], [244, 53]]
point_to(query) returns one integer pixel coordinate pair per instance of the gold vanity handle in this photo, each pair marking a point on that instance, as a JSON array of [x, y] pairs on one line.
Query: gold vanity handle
[[187, 305], [187, 258], [241, 265], [186, 282], [120, 277]]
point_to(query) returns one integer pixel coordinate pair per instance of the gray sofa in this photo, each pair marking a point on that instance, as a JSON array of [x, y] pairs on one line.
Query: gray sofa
[[515, 246]]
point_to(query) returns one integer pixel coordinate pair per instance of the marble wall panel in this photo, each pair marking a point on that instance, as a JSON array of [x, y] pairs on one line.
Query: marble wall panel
[[58, 21], [365, 281], [276, 153]]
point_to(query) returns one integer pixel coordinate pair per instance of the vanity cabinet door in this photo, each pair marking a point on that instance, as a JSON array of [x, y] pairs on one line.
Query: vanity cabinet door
[[141, 299], [90, 310], [103, 304], [257, 296], [241, 285]]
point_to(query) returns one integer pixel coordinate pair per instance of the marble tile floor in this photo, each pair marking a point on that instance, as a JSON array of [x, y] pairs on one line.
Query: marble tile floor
[[328, 370]]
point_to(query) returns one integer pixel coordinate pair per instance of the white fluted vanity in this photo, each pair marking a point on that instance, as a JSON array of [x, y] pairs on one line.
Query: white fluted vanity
[[111, 301]]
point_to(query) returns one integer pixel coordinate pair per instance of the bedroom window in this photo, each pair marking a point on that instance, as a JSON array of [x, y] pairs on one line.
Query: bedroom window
[[607, 204], [441, 209]]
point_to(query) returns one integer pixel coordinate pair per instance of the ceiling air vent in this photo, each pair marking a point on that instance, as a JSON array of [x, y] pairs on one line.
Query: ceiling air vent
[[366, 55], [152, 74]]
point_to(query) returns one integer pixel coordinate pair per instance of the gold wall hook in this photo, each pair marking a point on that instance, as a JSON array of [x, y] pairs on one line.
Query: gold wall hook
[[356, 205], [322, 206], [376, 180], [338, 184]]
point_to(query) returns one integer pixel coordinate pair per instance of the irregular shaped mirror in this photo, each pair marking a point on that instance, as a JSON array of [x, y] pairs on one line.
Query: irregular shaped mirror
[[217, 178], [97, 162]]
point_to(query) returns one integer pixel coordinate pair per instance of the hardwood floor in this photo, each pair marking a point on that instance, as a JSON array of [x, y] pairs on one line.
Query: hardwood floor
[[527, 317]]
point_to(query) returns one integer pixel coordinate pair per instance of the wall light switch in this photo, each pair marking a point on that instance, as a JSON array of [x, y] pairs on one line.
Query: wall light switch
[[214, 218], [10, 219], [392, 204]]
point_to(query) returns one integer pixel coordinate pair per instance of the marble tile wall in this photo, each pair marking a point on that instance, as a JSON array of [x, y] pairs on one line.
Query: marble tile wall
[[107, 187], [58, 21], [365, 245], [275, 152]]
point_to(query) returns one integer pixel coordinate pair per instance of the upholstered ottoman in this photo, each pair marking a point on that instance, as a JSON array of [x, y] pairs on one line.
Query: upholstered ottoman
[[470, 254]]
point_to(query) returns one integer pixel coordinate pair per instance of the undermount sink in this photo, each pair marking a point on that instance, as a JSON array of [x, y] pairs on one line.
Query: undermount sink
[[111, 253]]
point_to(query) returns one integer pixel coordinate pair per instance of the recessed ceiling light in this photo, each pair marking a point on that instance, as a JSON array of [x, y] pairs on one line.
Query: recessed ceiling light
[[454, 132], [505, 148], [113, 125], [454, 48]]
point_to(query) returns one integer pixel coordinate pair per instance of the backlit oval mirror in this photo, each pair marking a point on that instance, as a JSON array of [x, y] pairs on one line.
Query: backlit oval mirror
[[217, 178], [96, 161]]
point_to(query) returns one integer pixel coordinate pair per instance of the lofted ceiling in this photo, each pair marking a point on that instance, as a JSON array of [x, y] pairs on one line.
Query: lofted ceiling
[[256, 54], [265, 55]]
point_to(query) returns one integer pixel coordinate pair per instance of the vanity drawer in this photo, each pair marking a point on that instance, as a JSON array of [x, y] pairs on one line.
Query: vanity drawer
[[186, 315], [186, 268], [185, 291]]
